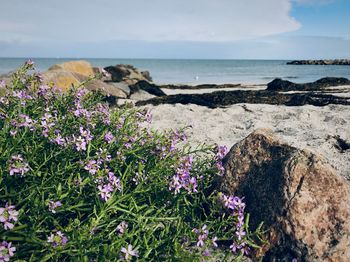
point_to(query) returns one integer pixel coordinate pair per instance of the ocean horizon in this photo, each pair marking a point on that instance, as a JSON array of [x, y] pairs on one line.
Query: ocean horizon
[[203, 71]]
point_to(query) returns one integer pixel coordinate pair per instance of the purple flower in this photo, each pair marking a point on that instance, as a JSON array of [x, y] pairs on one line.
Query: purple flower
[[221, 152], [129, 252], [6, 251], [206, 253], [59, 140], [202, 235], [80, 144], [240, 234], [234, 247], [122, 227], [18, 166], [109, 137], [53, 205], [57, 239], [183, 178], [105, 191], [25, 121], [114, 181], [7, 215], [92, 167], [86, 134], [2, 83], [30, 63]]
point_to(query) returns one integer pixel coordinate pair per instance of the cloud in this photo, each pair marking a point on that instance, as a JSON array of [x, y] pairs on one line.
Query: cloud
[[313, 2], [140, 20]]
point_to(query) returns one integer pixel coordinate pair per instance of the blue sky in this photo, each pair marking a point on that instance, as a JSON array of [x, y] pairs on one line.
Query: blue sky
[[223, 29]]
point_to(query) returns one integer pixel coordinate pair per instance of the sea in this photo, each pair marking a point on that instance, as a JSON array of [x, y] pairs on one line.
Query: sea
[[189, 71]]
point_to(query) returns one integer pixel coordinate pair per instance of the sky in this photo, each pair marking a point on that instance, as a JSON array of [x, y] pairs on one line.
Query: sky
[[197, 29]]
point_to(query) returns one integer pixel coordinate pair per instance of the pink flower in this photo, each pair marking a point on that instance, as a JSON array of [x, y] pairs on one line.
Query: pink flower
[[129, 252], [6, 251]]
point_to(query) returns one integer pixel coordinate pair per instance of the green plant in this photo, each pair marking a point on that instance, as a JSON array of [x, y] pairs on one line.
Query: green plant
[[82, 181]]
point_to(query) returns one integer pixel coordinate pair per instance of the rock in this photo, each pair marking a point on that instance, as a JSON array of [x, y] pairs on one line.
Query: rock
[[122, 86], [147, 75], [284, 85], [148, 87], [320, 62], [226, 98], [141, 95], [79, 67], [198, 87], [303, 203], [127, 74], [61, 78], [109, 90]]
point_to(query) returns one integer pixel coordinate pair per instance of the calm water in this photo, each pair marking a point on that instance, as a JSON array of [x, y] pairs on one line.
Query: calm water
[[205, 71]]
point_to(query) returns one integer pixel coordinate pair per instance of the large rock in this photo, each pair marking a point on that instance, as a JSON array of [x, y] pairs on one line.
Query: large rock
[[78, 67], [303, 203], [61, 78], [127, 74], [284, 85]]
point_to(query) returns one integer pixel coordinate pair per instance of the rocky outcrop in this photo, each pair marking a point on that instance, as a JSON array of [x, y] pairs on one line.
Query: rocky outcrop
[[284, 85], [226, 98], [320, 62], [198, 87], [148, 87], [61, 78], [80, 67], [127, 74], [303, 203]]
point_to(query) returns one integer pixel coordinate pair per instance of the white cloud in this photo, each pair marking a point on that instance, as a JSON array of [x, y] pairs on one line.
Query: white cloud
[[152, 20]]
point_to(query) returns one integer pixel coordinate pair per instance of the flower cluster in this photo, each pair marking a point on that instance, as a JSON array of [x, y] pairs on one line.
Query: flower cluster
[[106, 186], [8, 215], [18, 166], [57, 239], [183, 178], [6, 251], [203, 240], [236, 206], [221, 152]]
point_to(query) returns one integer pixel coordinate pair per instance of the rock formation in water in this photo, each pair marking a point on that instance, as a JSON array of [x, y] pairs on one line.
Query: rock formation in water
[[320, 62]]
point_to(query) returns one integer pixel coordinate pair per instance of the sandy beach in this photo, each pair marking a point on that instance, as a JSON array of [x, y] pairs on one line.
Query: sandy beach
[[305, 127]]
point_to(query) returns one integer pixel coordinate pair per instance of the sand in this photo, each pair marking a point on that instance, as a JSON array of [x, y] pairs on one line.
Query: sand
[[306, 127]]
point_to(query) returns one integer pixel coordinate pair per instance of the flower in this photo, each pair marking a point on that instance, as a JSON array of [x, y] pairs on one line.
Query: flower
[[121, 228], [86, 134], [2, 83], [18, 166], [92, 167], [53, 205], [129, 252], [30, 62], [109, 137], [57, 239], [80, 144], [7, 215], [6, 251]]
